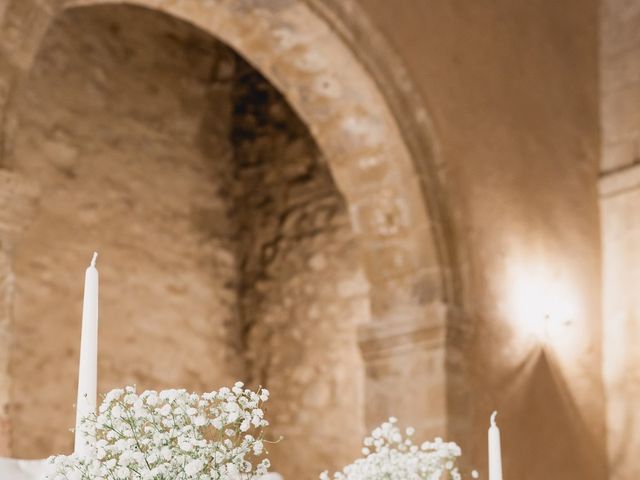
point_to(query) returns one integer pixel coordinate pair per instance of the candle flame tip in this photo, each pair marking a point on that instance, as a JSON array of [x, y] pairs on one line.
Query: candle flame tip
[[94, 258], [493, 418]]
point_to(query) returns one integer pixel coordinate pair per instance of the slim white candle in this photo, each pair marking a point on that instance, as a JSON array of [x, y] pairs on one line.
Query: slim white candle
[[495, 454], [88, 372]]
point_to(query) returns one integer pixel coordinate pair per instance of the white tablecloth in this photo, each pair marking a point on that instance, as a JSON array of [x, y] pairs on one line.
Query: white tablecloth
[[13, 469]]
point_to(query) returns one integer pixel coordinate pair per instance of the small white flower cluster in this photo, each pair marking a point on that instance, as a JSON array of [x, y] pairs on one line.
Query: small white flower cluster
[[388, 455], [172, 435]]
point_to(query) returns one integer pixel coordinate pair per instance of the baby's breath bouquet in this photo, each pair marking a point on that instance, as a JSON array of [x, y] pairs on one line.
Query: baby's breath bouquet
[[171, 435], [390, 455]]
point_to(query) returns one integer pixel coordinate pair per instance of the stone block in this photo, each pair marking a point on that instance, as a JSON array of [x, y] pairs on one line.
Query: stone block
[[615, 11], [389, 212], [354, 130], [406, 373], [5, 436], [22, 28], [621, 70], [618, 182], [394, 257], [620, 154], [620, 113], [621, 326], [620, 31], [383, 215], [18, 200], [7, 75], [369, 172], [404, 296], [383, 343]]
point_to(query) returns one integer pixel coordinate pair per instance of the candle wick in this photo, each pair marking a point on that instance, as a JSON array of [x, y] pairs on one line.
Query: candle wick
[[493, 418], [93, 260]]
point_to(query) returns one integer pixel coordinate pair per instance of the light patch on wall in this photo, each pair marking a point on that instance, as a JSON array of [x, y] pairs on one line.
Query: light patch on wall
[[541, 302]]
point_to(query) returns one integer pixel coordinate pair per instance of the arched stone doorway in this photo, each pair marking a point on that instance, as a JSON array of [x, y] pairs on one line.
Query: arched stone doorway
[[405, 343], [188, 170]]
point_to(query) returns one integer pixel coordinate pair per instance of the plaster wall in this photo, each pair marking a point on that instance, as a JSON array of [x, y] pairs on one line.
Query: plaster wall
[[511, 87]]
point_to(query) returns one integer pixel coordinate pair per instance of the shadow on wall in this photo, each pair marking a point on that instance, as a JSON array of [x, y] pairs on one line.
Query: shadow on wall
[[537, 400]]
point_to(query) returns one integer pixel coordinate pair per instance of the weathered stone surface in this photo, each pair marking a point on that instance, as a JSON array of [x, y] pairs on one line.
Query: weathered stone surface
[[21, 28], [126, 130], [17, 206], [408, 356], [6, 301], [218, 225], [18, 201], [515, 112], [620, 199], [619, 154], [620, 117], [302, 286]]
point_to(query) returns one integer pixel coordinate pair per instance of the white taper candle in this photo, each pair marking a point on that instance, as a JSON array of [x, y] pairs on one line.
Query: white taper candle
[[495, 453], [88, 371]]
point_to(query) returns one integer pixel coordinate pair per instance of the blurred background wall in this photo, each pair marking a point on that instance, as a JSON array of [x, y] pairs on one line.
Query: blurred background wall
[[377, 207], [512, 88]]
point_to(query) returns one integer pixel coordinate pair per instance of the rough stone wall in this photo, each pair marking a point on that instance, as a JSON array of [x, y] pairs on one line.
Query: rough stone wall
[[303, 292], [122, 126], [6, 294], [620, 202], [223, 241], [18, 200]]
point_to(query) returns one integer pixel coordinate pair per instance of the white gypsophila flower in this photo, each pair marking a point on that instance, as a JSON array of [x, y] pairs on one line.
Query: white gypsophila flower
[[171, 435], [390, 456]]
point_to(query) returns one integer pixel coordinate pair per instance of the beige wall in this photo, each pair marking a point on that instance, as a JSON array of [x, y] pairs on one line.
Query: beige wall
[[226, 251], [620, 203], [512, 89]]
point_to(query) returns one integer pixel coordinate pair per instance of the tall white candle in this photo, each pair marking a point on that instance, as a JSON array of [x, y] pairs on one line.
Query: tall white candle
[[88, 372], [495, 454]]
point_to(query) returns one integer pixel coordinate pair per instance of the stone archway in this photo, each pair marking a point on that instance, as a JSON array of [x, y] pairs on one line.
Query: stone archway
[[227, 250], [290, 44]]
